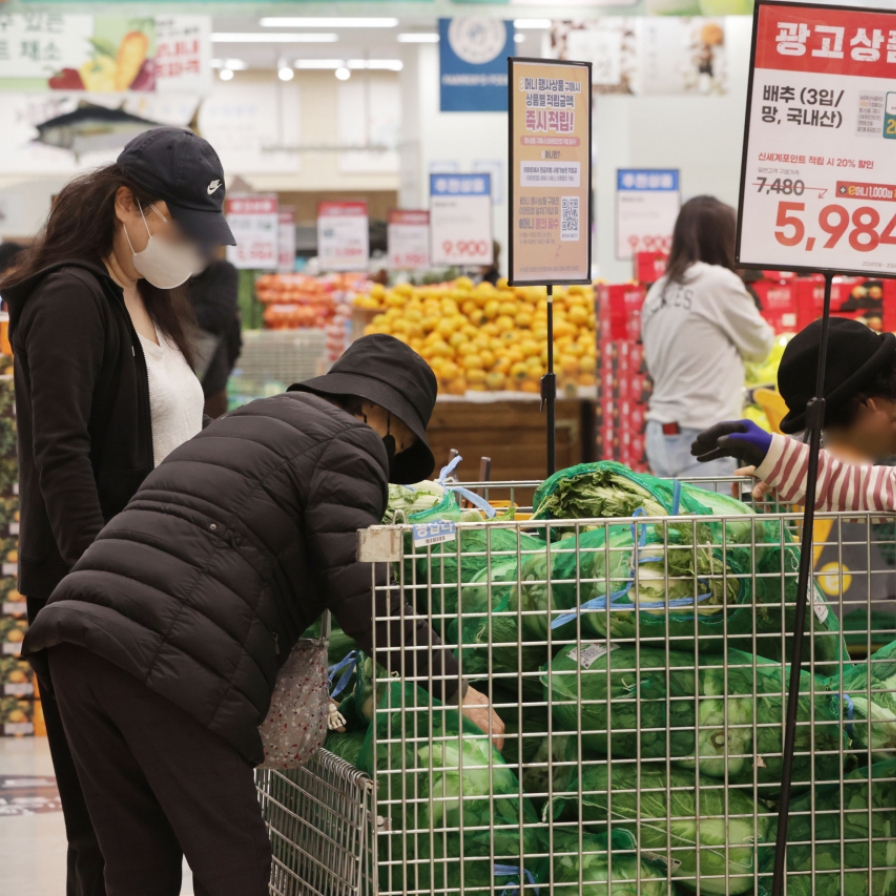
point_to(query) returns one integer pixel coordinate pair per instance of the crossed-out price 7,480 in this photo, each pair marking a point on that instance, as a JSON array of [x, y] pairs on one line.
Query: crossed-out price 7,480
[[862, 226]]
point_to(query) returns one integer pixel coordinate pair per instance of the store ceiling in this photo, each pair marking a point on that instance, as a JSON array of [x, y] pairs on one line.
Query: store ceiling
[[379, 39]]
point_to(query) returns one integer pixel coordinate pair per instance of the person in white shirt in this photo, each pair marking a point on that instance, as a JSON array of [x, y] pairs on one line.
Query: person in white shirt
[[698, 325]]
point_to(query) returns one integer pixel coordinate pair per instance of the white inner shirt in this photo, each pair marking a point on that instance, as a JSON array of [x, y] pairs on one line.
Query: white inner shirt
[[175, 396]]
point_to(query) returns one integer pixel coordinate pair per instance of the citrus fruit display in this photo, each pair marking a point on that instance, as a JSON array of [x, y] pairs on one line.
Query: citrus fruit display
[[485, 338]]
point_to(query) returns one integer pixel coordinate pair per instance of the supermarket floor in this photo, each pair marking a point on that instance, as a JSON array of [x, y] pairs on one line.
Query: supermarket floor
[[32, 834]]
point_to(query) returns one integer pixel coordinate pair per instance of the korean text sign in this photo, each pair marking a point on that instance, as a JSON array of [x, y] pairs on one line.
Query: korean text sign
[[408, 240], [255, 224], [818, 187], [550, 171], [460, 215], [647, 204], [343, 236]]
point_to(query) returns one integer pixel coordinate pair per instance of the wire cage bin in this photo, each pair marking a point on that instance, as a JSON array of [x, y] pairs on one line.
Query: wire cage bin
[[319, 821], [639, 666]]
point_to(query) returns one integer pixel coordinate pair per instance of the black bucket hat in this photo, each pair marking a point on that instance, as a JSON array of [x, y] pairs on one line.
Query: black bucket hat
[[384, 370], [855, 355], [182, 168]]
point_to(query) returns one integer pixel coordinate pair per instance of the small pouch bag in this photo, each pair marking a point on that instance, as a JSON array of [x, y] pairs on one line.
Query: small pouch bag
[[296, 724]]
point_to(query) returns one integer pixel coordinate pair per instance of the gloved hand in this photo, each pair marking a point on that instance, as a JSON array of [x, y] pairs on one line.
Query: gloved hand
[[742, 439]]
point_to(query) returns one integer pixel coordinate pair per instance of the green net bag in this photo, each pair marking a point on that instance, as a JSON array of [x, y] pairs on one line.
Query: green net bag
[[724, 714], [358, 707], [760, 555], [867, 699], [534, 750], [346, 745], [605, 867], [496, 643], [454, 808], [704, 832], [433, 573], [861, 820]]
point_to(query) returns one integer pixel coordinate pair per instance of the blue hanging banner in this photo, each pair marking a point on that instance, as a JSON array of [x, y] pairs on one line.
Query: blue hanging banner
[[473, 55]]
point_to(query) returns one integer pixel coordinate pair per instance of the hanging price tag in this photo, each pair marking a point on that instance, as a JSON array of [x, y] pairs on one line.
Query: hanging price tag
[[818, 188]]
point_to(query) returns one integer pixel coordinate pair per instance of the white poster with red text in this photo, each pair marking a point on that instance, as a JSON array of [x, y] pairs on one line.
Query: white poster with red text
[[343, 236], [818, 189], [408, 240], [256, 229]]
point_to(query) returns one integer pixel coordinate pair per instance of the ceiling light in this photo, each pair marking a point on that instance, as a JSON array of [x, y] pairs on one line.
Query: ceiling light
[[238, 65], [385, 65], [519, 38], [418, 37], [328, 64], [531, 23], [343, 73], [285, 72], [226, 74], [321, 22], [283, 37]]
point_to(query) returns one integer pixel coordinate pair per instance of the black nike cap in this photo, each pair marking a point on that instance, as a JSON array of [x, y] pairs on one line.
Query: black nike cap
[[180, 167]]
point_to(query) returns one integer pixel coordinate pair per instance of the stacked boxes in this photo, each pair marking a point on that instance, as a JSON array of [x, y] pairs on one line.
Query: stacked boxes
[[623, 386], [17, 685]]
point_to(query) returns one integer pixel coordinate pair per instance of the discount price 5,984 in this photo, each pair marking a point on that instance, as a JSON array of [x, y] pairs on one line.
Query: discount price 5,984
[[863, 227]]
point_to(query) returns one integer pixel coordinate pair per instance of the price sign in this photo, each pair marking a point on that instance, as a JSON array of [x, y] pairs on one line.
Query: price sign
[[255, 225], [647, 204], [818, 184], [408, 238], [460, 219], [550, 171], [343, 236]]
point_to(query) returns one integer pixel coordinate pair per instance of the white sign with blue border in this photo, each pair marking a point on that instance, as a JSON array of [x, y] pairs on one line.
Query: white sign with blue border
[[473, 55], [460, 219], [647, 205]]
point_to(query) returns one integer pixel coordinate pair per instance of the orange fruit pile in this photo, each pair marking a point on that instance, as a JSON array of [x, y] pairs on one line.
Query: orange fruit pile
[[491, 338]]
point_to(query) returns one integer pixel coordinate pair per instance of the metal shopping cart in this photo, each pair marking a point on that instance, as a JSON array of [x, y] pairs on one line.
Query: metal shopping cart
[[639, 666]]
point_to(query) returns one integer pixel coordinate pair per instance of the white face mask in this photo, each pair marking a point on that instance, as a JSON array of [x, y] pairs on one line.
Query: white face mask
[[164, 264]]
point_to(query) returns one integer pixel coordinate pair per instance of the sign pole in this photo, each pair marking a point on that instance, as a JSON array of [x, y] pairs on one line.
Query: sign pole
[[815, 422], [549, 389]]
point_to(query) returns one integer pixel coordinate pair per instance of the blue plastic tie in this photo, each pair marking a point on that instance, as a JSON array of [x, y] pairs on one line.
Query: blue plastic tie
[[676, 497], [512, 870], [349, 662], [448, 469], [850, 711], [472, 497]]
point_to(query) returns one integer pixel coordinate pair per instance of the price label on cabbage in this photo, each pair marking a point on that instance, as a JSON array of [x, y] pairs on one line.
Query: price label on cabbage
[[590, 654], [672, 864], [434, 533], [818, 186]]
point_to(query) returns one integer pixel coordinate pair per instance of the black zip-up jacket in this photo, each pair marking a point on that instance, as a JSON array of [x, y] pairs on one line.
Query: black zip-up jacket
[[230, 549], [82, 406]]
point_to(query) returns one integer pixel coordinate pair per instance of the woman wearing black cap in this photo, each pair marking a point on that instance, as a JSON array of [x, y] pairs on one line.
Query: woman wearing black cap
[[104, 389], [859, 420], [164, 642]]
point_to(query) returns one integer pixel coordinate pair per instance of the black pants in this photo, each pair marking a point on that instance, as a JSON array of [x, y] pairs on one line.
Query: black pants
[[159, 786], [84, 861]]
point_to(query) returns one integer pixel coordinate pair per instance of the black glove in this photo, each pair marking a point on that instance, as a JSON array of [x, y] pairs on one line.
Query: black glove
[[742, 439]]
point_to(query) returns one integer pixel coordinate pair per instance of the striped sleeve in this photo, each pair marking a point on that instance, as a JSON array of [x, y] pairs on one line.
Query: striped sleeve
[[841, 485]]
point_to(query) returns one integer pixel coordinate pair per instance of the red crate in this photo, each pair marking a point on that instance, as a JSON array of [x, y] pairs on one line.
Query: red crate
[[650, 266]]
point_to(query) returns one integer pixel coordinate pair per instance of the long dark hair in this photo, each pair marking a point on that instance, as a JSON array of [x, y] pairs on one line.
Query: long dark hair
[[705, 231], [81, 225]]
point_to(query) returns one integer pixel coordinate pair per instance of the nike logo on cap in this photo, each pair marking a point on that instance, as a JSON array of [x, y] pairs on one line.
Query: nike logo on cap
[[213, 186]]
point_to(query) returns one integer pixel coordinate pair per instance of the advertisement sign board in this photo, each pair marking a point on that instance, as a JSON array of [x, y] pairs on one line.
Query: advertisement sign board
[[647, 204], [818, 187], [460, 217], [286, 239], [550, 171]]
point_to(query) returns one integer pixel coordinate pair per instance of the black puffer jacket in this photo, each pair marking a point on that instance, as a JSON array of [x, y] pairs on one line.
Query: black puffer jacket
[[230, 549]]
